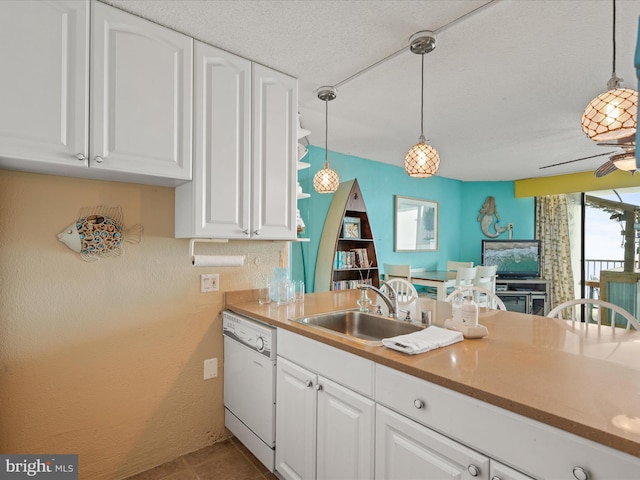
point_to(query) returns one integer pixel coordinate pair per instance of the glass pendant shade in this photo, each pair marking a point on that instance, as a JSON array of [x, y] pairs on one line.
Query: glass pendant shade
[[422, 160], [326, 180], [611, 115]]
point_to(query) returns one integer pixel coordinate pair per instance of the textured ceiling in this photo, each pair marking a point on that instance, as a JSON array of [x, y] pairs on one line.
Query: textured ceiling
[[504, 89]]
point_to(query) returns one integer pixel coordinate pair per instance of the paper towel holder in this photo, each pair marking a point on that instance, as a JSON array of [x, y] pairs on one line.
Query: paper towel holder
[[204, 240]]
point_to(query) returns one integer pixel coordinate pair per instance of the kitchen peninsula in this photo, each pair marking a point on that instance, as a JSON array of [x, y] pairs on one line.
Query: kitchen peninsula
[[560, 390]]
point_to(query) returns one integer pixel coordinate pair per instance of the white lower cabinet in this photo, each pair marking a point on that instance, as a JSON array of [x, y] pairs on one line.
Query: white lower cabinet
[[340, 416], [534, 449], [323, 430], [407, 450], [498, 471]]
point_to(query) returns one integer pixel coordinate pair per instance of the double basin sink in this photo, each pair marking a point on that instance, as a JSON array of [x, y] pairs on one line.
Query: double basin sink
[[361, 327]]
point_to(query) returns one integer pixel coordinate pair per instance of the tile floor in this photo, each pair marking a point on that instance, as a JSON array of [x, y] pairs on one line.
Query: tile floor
[[224, 460]]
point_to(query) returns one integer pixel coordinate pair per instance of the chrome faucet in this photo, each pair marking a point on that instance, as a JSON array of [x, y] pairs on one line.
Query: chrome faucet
[[391, 300]]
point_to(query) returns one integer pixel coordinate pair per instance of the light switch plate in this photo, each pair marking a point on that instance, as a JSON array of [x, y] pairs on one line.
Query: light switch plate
[[209, 282]]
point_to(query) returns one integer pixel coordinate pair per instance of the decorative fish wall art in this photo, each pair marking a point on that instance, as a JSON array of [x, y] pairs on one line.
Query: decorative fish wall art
[[99, 232]]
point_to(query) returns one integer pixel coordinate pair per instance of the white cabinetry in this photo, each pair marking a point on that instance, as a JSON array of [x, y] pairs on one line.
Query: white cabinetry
[[323, 429], [141, 93], [274, 120], [44, 53], [216, 202], [533, 448], [406, 449], [498, 471], [245, 165]]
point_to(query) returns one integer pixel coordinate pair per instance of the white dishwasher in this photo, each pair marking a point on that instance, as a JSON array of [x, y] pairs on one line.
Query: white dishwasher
[[249, 384]]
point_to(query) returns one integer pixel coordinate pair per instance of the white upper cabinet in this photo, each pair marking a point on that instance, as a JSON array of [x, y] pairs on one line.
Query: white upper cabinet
[[140, 124], [216, 203], [245, 165], [275, 121], [44, 48], [141, 95]]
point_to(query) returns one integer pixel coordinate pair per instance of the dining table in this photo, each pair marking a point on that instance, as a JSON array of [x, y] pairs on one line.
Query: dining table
[[437, 279]]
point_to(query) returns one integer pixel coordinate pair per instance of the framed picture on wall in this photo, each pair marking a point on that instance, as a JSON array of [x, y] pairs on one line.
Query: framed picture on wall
[[351, 227], [416, 226]]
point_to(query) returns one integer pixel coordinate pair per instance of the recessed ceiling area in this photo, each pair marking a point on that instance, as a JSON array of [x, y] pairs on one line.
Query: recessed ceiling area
[[505, 87]]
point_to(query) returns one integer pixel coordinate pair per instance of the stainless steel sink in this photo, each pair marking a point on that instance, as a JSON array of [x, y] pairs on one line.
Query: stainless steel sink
[[361, 327]]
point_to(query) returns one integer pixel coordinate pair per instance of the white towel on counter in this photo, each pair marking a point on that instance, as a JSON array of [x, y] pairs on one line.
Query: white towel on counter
[[424, 340]]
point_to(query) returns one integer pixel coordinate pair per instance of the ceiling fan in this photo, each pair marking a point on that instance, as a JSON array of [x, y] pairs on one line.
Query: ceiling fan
[[622, 159], [611, 120]]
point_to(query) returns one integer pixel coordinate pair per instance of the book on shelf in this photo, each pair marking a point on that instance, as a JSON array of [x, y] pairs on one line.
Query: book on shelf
[[355, 258], [349, 284]]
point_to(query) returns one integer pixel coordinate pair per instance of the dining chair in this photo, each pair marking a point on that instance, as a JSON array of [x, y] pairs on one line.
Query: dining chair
[[405, 290], [454, 267], [465, 276], [485, 278], [493, 301], [396, 271], [569, 311]]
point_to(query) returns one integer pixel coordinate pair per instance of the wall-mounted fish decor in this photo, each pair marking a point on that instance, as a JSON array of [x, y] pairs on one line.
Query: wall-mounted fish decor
[[99, 232]]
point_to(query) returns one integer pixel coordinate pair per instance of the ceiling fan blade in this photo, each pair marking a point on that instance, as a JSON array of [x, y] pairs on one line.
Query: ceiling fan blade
[[577, 160], [605, 169]]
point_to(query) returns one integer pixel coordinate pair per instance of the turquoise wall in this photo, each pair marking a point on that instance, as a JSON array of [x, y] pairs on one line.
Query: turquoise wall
[[459, 204]]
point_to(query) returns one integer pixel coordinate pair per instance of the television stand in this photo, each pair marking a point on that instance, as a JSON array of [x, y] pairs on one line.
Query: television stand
[[524, 295]]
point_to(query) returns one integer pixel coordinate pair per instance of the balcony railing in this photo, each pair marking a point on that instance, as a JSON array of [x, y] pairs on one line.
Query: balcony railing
[[592, 267]]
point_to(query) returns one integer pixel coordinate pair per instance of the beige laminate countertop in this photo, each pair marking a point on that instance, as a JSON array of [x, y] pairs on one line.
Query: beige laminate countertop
[[582, 379]]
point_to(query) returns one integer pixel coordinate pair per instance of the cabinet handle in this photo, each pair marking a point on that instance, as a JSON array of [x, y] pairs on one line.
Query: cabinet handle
[[98, 159], [256, 232], [246, 232], [418, 403], [308, 383], [81, 157], [580, 473], [318, 387], [473, 470], [495, 477]]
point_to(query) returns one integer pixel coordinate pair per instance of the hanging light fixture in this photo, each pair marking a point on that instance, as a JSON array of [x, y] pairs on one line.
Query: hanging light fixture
[[625, 161], [612, 115], [422, 160], [326, 180]]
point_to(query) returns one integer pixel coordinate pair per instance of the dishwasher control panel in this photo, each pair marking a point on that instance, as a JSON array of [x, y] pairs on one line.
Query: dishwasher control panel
[[250, 333]]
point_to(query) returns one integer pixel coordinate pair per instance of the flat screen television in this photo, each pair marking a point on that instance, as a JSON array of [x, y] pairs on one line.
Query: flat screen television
[[514, 258]]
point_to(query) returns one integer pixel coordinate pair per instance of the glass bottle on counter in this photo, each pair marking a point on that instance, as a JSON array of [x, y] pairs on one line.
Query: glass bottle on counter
[[364, 302], [469, 312]]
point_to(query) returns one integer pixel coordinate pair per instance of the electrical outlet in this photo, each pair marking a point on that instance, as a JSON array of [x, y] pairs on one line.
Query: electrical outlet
[[209, 282], [210, 368]]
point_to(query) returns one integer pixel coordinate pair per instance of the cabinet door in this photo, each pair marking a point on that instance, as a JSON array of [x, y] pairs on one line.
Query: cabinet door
[[216, 204], [406, 450], [141, 96], [295, 421], [502, 472], [274, 115], [345, 433], [44, 50]]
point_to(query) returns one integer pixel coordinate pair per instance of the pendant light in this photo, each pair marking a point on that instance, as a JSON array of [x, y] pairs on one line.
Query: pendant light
[[612, 115], [422, 160], [326, 180]]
